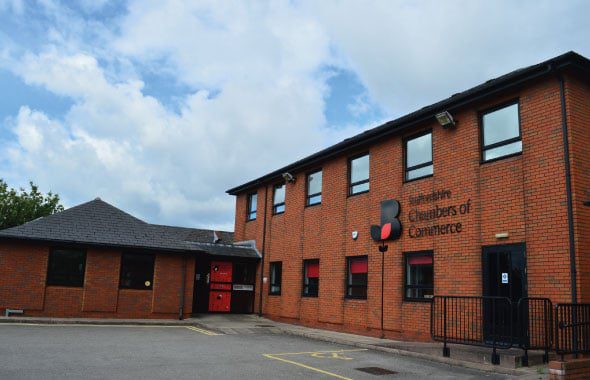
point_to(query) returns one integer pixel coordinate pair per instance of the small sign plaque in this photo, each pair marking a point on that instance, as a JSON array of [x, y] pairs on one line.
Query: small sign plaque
[[504, 278], [247, 288]]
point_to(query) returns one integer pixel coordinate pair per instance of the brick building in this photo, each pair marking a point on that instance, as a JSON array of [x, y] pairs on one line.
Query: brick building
[[491, 188], [96, 261]]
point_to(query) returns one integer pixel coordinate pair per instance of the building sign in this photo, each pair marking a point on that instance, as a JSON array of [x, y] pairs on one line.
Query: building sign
[[390, 228], [434, 214], [242, 287]]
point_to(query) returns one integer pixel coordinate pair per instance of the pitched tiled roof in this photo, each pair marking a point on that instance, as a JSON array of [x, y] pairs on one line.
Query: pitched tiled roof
[[99, 223]]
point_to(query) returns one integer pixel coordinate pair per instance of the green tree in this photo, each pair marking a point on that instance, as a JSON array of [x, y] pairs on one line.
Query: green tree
[[18, 207]]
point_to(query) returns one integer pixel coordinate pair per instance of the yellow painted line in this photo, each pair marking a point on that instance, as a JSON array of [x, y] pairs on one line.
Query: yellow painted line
[[202, 331], [318, 352], [270, 356]]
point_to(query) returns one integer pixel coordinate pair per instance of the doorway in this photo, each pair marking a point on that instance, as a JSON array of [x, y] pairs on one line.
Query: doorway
[[504, 275]]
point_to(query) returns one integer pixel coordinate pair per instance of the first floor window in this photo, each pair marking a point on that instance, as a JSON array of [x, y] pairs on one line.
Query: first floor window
[[314, 188], [419, 156], [278, 199], [356, 278], [252, 206], [501, 133], [419, 284], [311, 278], [137, 271], [276, 270], [66, 267], [358, 175]]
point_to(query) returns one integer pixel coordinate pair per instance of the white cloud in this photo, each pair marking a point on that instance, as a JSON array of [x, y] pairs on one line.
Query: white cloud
[[258, 77]]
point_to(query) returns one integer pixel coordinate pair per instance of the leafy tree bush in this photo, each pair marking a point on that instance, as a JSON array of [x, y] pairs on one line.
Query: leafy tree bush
[[19, 207]]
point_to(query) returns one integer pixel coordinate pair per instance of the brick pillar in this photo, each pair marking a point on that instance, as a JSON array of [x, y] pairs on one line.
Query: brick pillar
[[569, 369]]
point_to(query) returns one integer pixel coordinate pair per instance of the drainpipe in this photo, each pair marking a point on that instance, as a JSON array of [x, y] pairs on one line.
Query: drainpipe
[[262, 250], [182, 289], [568, 186]]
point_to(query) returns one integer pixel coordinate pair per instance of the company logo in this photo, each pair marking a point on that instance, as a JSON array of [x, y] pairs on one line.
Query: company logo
[[390, 228]]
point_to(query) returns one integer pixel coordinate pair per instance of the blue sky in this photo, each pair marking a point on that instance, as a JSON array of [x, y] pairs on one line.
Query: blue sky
[[158, 107]]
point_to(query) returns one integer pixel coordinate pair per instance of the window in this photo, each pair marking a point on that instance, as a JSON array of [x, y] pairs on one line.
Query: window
[[276, 272], [278, 199], [359, 175], [314, 188], [66, 267], [311, 278], [419, 156], [356, 279], [419, 276], [137, 271], [252, 205], [501, 133]]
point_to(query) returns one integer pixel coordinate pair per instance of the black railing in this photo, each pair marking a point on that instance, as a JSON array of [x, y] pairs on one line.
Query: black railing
[[494, 322], [535, 324], [475, 321], [572, 329]]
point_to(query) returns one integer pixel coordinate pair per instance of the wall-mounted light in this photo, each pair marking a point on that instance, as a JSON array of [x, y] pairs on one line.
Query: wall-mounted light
[[288, 177], [445, 119]]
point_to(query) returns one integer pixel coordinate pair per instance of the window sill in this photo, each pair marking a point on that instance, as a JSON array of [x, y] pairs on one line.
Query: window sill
[[359, 193], [419, 178], [353, 298], [250, 220], [141, 290], [274, 294], [309, 296], [418, 300], [482, 162], [64, 286], [314, 204], [278, 213]]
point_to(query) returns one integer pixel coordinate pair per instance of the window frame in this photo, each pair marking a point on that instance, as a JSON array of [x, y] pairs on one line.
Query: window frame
[[419, 166], [249, 211], [405, 286], [349, 259], [308, 196], [270, 283], [351, 185], [483, 148], [51, 281], [274, 206], [304, 277], [149, 288]]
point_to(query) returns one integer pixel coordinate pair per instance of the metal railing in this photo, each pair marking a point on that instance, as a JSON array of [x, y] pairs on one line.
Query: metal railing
[[572, 329], [535, 324], [494, 322], [471, 320]]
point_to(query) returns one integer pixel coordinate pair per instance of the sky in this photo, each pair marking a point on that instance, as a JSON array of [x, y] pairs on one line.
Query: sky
[[159, 107]]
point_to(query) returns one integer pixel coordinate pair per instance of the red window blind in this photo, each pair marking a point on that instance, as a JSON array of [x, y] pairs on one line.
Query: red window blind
[[359, 266], [419, 260], [313, 270]]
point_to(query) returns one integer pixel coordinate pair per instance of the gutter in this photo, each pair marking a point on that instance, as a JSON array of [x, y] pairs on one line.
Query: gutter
[[568, 186]]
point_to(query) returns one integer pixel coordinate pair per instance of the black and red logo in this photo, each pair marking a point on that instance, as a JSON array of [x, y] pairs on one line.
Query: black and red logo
[[390, 228]]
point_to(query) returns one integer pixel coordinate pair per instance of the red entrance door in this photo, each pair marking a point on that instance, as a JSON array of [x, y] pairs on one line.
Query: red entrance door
[[221, 285]]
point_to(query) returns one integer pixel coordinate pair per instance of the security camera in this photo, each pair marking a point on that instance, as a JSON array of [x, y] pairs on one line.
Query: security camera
[[288, 177]]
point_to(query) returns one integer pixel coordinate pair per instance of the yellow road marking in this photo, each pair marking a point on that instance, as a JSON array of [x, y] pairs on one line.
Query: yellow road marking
[[202, 331], [270, 356], [331, 355], [317, 352]]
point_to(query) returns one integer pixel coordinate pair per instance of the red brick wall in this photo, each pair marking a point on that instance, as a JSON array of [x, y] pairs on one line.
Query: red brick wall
[[23, 271], [523, 196], [578, 111]]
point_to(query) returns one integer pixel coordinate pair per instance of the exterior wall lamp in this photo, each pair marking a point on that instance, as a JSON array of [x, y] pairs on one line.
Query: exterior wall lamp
[[445, 119]]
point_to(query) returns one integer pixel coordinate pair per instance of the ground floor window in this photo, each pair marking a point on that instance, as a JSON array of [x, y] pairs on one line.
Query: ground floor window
[[276, 270], [419, 278], [137, 271], [356, 278], [66, 267], [311, 278]]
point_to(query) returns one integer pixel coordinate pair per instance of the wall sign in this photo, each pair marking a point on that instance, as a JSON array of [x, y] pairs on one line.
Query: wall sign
[[390, 228], [429, 221]]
